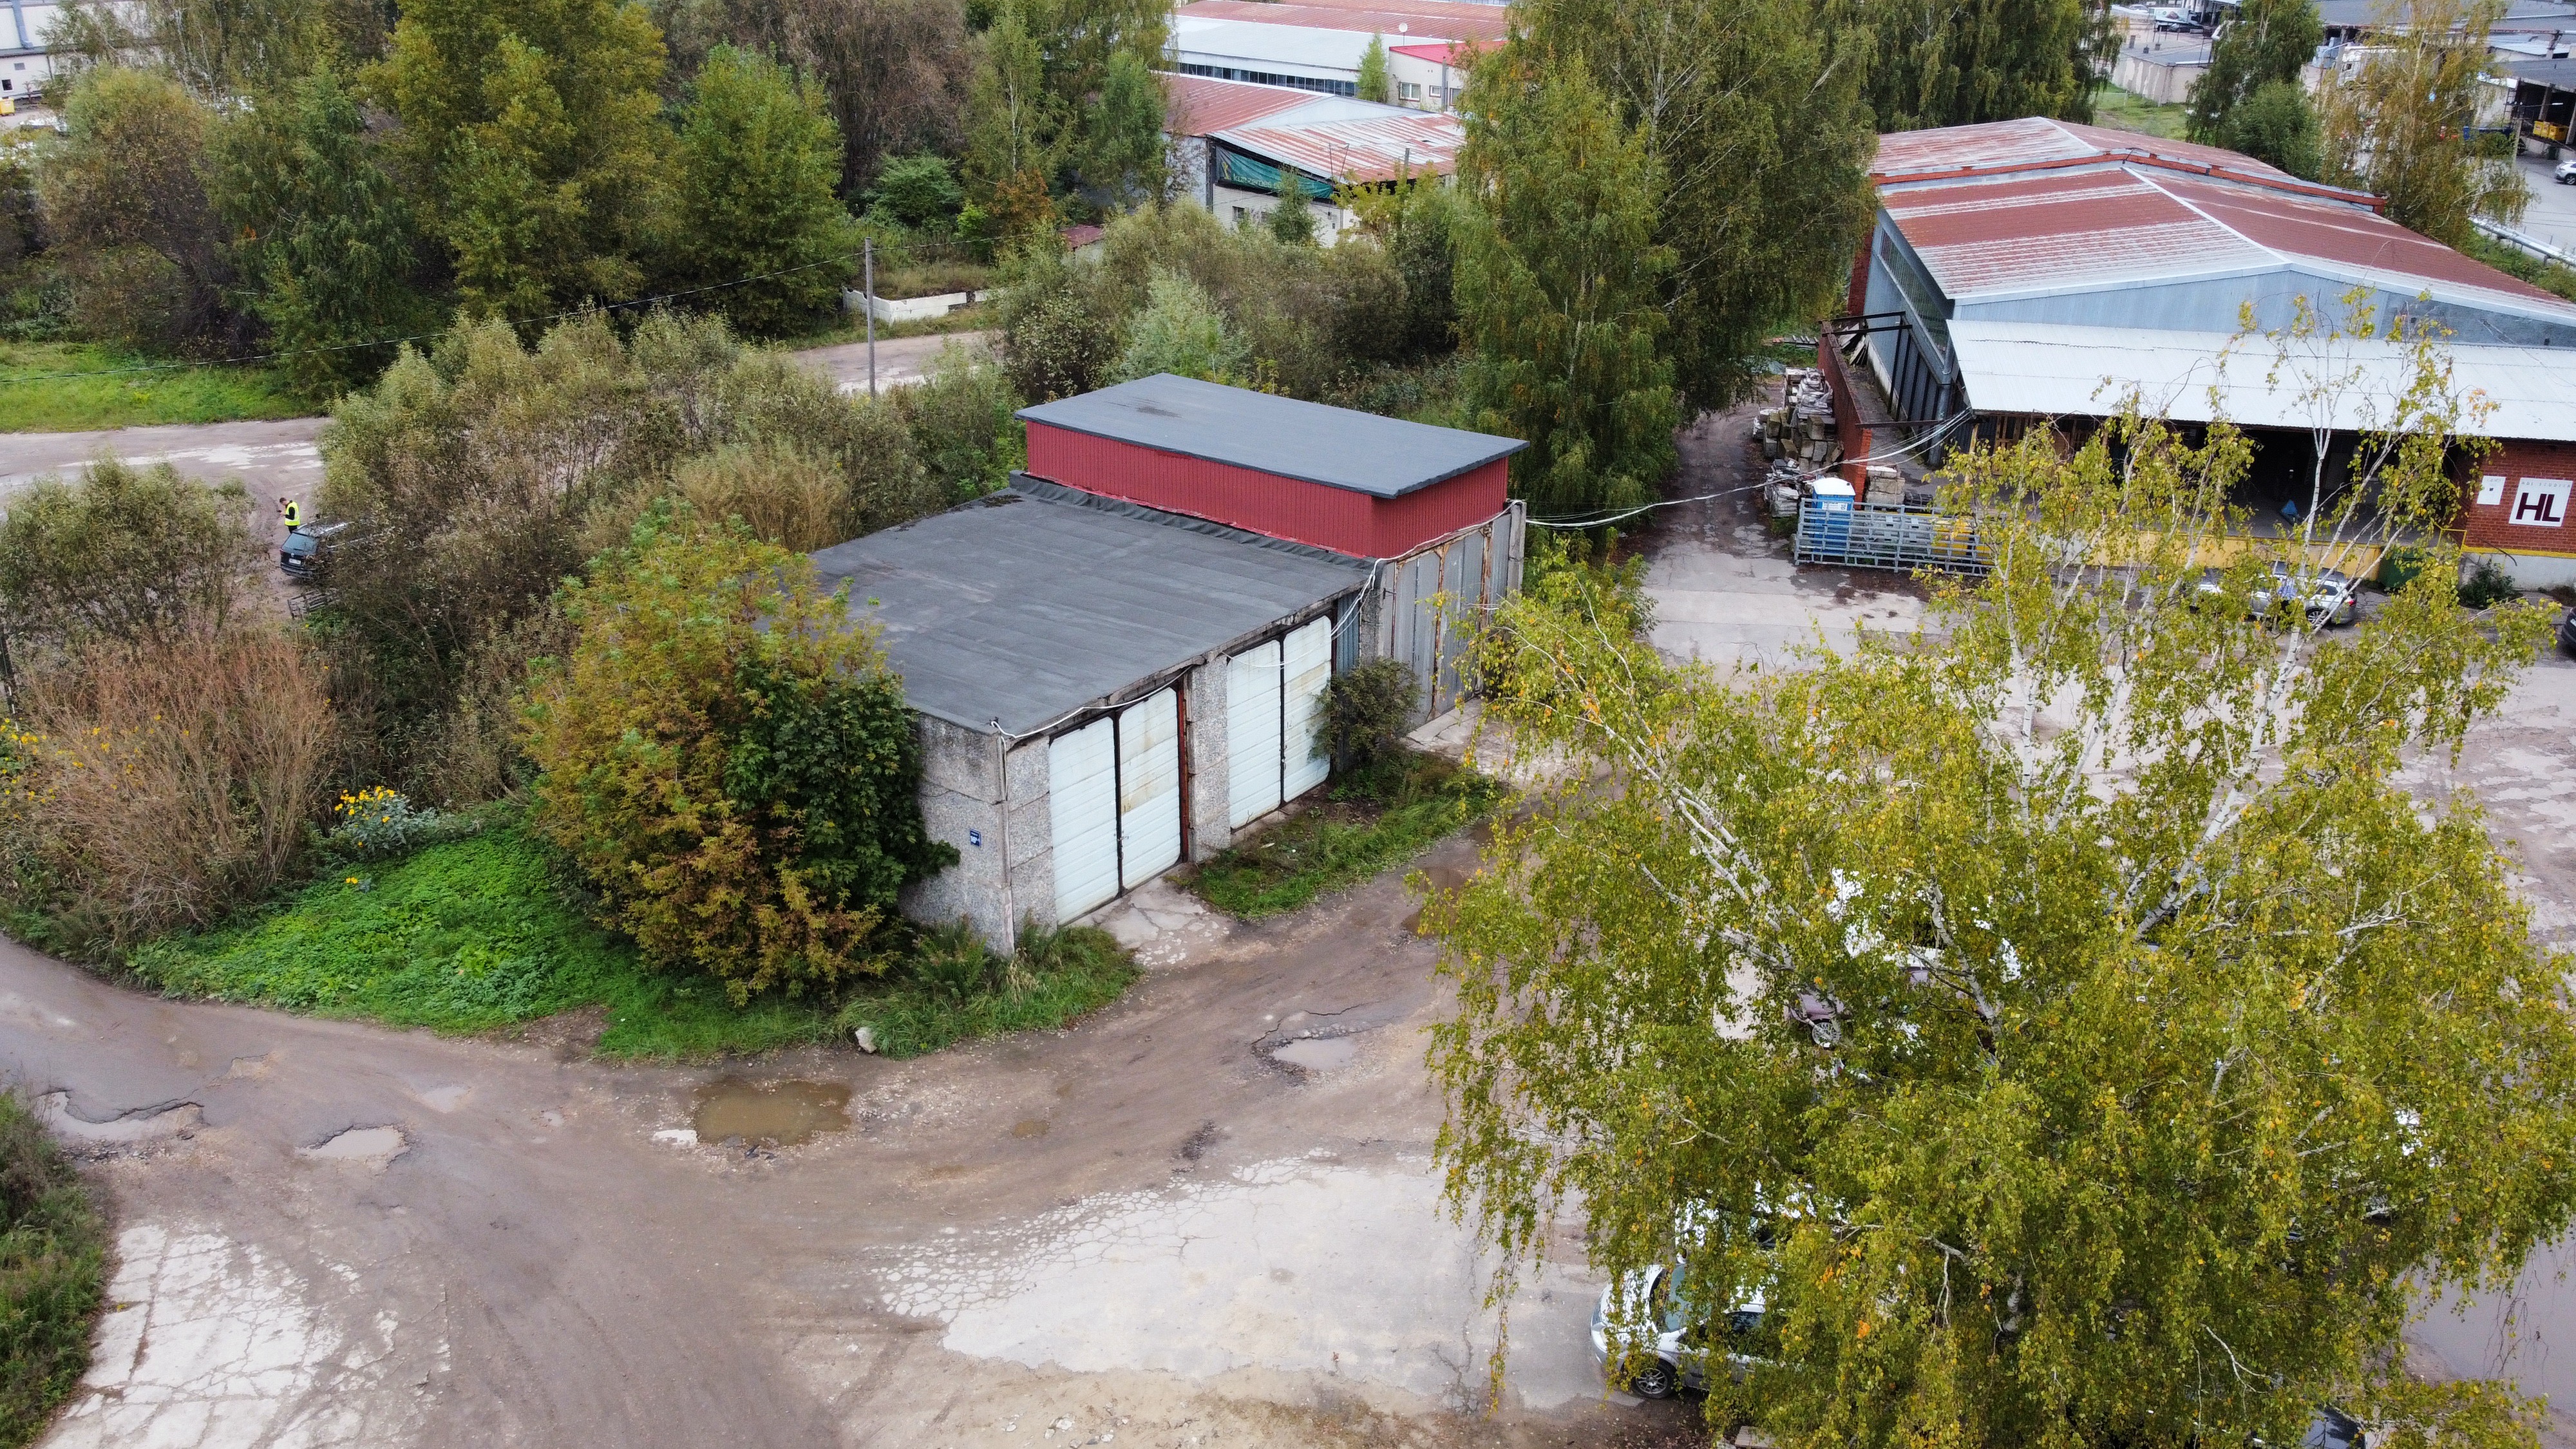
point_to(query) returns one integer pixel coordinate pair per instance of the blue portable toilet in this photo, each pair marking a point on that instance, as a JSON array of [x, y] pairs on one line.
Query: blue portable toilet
[[1824, 530]]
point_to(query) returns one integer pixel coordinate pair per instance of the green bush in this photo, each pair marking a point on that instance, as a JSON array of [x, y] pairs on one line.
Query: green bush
[[53, 1256], [730, 761], [2487, 585], [1366, 710]]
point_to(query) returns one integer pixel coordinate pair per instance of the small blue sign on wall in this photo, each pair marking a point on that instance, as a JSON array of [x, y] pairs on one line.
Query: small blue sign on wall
[[975, 838]]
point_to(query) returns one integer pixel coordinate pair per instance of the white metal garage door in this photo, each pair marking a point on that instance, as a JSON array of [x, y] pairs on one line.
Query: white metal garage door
[[1082, 801], [1252, 733], [1308, 666], [1149, 788]]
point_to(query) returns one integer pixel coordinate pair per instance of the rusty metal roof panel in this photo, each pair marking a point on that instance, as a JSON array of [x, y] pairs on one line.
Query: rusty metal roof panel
[[2348, 237], [1195, 105], [1412, 19], [1375, 149]]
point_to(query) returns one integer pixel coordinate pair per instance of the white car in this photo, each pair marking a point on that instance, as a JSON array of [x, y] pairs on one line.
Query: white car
[[2565, 175], [1681, 1359]]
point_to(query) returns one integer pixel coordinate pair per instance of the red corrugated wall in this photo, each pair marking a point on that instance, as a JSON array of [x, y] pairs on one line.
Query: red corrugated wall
[[1336, 518]]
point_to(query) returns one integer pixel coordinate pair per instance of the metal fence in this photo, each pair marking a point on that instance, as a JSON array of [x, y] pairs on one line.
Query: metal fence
[[1860, 535]]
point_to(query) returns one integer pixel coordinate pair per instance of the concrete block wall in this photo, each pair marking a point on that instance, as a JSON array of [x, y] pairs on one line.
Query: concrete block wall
[[961, 804]]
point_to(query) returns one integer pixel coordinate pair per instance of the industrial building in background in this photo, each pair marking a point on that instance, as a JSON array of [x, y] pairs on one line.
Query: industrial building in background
[[1316, 45], [1230, 141], [1119, 662], [2037, 273]]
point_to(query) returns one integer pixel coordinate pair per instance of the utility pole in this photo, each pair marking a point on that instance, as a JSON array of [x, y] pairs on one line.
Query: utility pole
[[868, 299]]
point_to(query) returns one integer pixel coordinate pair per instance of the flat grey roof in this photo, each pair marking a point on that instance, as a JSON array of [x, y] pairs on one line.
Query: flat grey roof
[[1339, 448], [1031, 604]]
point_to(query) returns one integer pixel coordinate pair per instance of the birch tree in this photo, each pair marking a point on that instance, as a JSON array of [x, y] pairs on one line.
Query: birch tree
[[2064, 1020]]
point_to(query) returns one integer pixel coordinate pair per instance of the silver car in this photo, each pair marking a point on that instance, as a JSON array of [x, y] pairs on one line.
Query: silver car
[[2328, 596]]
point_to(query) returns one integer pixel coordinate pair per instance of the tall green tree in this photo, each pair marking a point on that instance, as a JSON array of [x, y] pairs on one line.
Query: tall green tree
[[1065, 87], [1014, 123], [1959, 62], [533, 130], [1374, 83], [2268, 40], [1558, 287], [1754, 112], [2276, 125], [760, 164], [2400, 126], [125, 197], [323, 237], [2063, 1027], [1292, 220]]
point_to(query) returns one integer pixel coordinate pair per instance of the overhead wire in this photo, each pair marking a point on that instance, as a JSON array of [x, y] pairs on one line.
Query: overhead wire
[[1918, 445]]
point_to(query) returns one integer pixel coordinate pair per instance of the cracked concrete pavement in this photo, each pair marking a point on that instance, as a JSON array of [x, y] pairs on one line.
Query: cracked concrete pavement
[[1146, 1227]]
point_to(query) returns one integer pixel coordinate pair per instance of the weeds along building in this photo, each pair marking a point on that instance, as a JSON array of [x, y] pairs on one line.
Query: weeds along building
[[2037, 273], [1118, 663]]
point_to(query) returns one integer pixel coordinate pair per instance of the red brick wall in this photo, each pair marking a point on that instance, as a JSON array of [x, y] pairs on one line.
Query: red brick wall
[[1856, 297], [2492, 525]]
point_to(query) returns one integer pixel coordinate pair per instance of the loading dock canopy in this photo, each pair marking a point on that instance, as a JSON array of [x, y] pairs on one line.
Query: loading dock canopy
[[2052, 370], [1339, 448], [1036, 602]]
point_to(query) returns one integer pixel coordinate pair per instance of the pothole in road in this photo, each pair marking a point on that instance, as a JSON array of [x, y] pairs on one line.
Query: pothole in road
[[1317, 1053], [780, 1114], [374, 1145], [1031, 1127]]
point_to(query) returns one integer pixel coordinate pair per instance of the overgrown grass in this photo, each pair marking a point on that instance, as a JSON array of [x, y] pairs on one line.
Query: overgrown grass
[[53, 1258], [2549, 276], [1371, 821], [35, 398], [480, 934], [2128, 111]]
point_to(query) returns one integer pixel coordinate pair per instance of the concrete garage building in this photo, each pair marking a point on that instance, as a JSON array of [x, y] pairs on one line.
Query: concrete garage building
[[1119, 662], [2036, 273]]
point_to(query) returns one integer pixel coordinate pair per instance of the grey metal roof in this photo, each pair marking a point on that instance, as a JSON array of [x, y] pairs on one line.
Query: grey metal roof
[[1030, 604], [1386, 457]]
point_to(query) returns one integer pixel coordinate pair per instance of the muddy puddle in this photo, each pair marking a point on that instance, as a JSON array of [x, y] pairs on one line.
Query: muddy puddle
[[1317, 1053], [1440, 880], [779, 1114]]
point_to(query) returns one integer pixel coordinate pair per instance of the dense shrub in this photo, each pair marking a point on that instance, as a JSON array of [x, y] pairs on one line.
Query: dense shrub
[[1367, 710], [730, 762], [2486, 584], [1179, 332], [1059, 330], [53, 1260], [485, 472], [960, 415], [124, 557], [172, 787]]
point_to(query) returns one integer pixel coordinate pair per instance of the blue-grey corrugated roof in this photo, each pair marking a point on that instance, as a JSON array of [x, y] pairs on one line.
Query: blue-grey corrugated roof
[[1336, 447], [1033, 603]]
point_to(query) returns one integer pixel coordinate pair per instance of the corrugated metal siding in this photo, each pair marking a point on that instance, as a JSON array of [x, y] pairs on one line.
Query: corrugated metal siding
[[1426, 599], [1341, 519], [1306, 666], [1252, 733], [1082, 802], [1149, 788]]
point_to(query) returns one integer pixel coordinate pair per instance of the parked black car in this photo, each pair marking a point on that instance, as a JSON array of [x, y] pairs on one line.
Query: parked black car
[[307, 551], [2567, 632]]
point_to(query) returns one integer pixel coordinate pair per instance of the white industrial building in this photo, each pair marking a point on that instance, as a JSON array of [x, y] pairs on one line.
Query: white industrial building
[[1316, 45]]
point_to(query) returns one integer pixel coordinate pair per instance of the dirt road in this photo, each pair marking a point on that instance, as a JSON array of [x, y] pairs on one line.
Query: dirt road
[[1149, 1227]]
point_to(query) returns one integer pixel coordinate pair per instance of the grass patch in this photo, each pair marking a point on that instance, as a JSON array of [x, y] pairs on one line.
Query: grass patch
[[35, 400], [1372, 820], [481, 934], [2513, 261], [2128, 111], [53, 1259]]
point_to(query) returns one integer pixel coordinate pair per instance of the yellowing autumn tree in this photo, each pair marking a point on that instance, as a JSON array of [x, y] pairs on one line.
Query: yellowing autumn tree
[[2058, 1029]]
